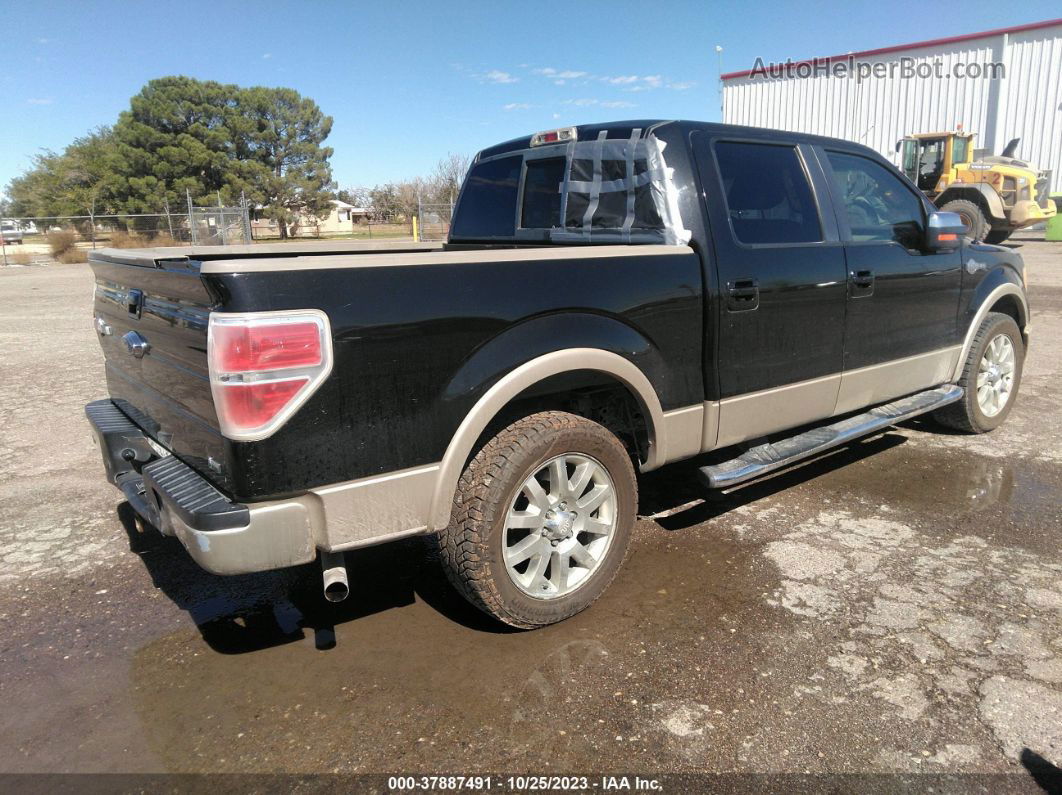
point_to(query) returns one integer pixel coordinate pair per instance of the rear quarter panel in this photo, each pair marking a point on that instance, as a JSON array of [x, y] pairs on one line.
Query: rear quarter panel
[[416, 346]]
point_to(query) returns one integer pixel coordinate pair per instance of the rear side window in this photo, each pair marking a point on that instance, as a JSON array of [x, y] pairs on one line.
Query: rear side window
[[542, 193], [488, 200], [768, 197]]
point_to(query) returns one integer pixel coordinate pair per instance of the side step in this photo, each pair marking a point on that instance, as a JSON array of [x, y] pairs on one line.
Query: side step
[[768, 457]]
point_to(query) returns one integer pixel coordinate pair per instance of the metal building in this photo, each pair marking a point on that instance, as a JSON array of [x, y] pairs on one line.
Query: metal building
[[1000, 84]]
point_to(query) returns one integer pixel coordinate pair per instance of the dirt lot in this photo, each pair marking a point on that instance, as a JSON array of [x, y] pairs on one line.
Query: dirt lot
[[893, 608]]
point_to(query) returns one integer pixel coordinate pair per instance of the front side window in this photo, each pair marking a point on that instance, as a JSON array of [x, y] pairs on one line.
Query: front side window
[[960, 149], [768, 197], [488, 200], [878, 205]]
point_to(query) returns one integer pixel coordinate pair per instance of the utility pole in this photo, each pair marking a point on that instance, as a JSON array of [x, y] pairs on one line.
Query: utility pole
[[194, 233], [719, 54], [221, 219]]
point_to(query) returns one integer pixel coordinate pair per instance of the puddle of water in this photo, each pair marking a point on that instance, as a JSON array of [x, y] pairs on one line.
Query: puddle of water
[[420, 679]]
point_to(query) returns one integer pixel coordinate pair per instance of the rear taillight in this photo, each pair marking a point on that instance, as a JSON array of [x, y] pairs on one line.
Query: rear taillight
[[264, 366]]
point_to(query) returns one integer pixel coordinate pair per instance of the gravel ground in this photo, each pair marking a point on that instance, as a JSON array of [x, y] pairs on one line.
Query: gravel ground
[[894, 608]]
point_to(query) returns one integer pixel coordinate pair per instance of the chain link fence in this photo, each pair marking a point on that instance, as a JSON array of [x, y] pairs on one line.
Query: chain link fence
[[423, 222], [69, 238]]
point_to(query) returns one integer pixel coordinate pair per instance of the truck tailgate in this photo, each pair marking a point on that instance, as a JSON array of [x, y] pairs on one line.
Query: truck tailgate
[[152, 325]]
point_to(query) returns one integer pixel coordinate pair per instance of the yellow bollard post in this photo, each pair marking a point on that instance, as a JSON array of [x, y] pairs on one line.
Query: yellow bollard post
[[416, 231]]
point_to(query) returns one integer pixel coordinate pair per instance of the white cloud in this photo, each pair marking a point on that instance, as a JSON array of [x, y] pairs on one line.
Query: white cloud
[[559, 74], [682, 86], [587, 102], [635, 82], [516, 106], [43, 40], [556, 115], [40, 101], [266, 56], [498, 76]]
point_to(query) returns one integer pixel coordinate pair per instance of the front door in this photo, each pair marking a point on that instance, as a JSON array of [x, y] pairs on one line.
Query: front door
[[779, 310], [901, 325]]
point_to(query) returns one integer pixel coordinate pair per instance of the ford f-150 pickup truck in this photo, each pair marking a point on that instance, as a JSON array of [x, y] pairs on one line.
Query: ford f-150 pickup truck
[[611, 298]]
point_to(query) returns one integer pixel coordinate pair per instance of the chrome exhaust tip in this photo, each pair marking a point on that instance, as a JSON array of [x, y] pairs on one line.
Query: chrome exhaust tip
[[334, 576]]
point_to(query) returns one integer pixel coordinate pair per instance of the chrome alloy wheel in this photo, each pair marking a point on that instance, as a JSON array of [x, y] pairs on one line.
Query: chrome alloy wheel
[[559, 526], [995, 376]]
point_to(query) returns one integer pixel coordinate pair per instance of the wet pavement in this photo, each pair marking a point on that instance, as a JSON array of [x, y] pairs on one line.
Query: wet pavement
[[893, 607]]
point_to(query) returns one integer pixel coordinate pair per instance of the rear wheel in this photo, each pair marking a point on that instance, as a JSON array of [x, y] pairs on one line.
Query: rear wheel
[[997, 235], [991, 376], [541, 519], [973, 218]]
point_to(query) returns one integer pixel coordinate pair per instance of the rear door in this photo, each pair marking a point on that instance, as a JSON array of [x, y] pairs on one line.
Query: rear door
[[901, 329], [781, 275]]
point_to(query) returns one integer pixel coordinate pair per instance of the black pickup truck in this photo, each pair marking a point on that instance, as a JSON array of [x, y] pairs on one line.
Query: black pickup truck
[[611, 298]]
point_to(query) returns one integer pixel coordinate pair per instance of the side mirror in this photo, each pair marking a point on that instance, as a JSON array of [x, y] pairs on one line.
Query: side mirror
[[944, 232]]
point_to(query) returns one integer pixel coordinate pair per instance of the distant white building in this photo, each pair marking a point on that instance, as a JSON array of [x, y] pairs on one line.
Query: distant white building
[[340, 220], [999, 84]]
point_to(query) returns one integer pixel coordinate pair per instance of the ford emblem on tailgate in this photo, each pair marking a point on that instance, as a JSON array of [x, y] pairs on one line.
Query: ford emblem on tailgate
[[136, 344]]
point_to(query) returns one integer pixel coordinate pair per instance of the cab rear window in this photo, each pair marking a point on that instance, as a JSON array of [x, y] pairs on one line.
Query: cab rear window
[[603, 190], [488, 200], [542, 193]]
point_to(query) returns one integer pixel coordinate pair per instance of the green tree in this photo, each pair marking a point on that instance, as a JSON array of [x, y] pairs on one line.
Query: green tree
[[177, 138], [282, 161], [83, 180], [184, 136]]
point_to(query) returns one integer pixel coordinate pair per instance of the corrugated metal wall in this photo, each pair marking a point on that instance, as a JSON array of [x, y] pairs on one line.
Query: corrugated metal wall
[[1027, 104]]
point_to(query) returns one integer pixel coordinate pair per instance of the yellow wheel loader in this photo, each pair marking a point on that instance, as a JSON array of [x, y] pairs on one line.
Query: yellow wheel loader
[[994, 194]]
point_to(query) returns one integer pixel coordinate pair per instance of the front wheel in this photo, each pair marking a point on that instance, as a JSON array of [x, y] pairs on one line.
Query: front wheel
[[541, 519], [991, 375]]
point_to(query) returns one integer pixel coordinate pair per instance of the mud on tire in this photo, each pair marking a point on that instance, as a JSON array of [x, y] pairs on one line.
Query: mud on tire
[[472, 547]]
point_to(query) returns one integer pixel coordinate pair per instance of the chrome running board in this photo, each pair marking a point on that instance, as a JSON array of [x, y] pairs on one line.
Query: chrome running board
[[769, 457]]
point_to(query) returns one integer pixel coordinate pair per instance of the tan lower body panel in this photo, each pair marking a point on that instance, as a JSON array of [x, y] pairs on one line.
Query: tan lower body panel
[[759, 413], [881, 382], [771, 410], [375, 509]]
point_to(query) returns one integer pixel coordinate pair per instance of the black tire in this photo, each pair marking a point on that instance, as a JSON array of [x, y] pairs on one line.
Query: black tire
[[997, 236], [966, 414], [471, 548], [972, 217]]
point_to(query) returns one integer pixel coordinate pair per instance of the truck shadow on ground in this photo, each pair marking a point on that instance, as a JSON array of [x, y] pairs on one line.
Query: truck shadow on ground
[[245, 613]]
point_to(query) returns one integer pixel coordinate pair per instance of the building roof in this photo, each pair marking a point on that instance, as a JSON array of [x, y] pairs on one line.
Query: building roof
[[917, 45]]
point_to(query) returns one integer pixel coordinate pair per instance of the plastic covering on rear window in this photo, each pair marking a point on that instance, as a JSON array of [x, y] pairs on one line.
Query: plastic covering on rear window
[[604, 190], [618, 190]]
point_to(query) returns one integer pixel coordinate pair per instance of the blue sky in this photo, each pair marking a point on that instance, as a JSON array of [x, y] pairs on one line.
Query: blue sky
[[408, 82]]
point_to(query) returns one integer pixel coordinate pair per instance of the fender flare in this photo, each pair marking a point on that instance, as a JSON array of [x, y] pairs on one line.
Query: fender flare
[[516, 381], [996, 210], [1006, 288]]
